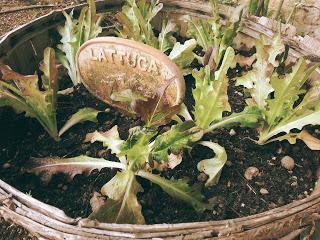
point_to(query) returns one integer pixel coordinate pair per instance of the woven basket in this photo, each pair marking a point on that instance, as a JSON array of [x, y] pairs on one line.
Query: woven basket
[[22, 48]]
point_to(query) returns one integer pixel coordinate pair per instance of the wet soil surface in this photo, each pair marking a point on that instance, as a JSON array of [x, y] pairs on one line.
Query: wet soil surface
[[235, 196]]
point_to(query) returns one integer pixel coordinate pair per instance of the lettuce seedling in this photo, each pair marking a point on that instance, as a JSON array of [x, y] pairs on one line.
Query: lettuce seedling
[[135, 159], [136, 17], [211, 99], [214, 37], [74, 33], [284, 101], [38, 99]]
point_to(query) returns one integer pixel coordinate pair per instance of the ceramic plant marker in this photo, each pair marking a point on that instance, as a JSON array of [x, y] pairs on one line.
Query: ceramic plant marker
[[123, 72]]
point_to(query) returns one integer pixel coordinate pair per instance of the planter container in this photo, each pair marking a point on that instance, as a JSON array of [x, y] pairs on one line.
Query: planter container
[[22, 49]]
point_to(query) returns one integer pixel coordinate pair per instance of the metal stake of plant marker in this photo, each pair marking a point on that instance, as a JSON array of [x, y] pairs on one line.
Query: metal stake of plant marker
[[121, 72]]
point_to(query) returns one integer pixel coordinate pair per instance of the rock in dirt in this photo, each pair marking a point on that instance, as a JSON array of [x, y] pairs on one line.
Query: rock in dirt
[[251, 172], [287, 162], [232, 132], [264, 191], [6, 165]]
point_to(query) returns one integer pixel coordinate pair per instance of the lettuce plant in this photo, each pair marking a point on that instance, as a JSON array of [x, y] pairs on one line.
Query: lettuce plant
[[284, 100], [38, 99], [136, 17], [211, 99], [212, 36], [74, 33], [136, 156]]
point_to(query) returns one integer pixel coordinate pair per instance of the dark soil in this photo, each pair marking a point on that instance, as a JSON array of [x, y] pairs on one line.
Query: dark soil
[[234, 196]]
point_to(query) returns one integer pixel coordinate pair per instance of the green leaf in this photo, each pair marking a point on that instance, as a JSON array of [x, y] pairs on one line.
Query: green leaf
[[282, 114], [135, 18], [250, 117], [166, 40], [122, 205], [212, 34], [200, 30], [257, 81], [178, 189], [210, 94], [23, 93], [84, 114], [179, 137], [213, 166], [126, 95], [110, 139], [74, 33], [183, 55], [70, 166], [136, 147]]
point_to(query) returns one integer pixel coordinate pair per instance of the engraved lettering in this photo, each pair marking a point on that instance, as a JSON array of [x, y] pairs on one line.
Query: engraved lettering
[[121, 55], [153, 67], [110, 54], [143, 63], [93, 58], [132, 59], [101, 55]]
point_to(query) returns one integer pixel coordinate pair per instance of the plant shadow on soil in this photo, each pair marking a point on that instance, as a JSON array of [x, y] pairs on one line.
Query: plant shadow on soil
[[234, 196]]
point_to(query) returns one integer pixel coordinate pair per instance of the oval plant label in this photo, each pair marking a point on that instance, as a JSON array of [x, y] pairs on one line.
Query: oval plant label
[[125, 73]]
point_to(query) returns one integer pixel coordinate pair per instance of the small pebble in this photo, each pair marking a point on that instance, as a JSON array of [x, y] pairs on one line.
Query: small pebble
[[107, 110], [279, 150], [65, 188], [6, 165], [281, 201], [264, 191], [242, 204], [294, 184], [202, 177], [229, 163], [272, 205], [251, 172], [232, 132], [287, 162]]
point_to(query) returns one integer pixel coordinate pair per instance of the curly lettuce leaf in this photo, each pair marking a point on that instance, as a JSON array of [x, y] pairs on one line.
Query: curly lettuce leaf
[[250, 117], [210, 94], [257, 81], [166, 40], [183, 55], [283, 113], [49, 166], [122, 205], [179, 137], [74, 33], [136, 17], [178, 189], [24, 94], [213, 166], [136, 148], [110, 139], [212, 34]]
